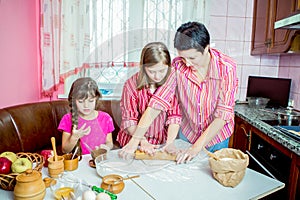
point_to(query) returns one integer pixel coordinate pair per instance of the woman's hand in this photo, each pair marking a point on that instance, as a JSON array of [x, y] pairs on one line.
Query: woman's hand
[[79, 133], [127, 152], [171, 149], [187, 155]]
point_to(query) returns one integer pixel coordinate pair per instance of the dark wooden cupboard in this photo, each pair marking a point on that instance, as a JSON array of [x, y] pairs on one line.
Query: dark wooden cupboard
[[279, 160], [242, 132], [265, 39]]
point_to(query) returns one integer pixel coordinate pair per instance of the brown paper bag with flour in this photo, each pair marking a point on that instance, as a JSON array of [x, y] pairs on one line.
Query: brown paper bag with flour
[[229, 167]]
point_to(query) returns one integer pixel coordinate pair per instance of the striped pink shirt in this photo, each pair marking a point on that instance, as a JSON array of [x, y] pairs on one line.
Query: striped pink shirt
[[204, 101], [133, 104]]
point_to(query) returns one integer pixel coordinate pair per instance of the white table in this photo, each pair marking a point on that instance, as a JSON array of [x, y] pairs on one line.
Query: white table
[[185, 181]]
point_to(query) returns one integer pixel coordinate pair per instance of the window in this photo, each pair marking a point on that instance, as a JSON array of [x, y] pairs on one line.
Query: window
[[110, 33]]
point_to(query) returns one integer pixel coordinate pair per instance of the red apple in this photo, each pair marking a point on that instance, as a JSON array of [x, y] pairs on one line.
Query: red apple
[[46, 154], [5, 165], [10, 155]]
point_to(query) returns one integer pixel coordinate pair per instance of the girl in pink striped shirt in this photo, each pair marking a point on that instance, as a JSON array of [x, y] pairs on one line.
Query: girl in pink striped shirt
[[155, 67], [205, 83]]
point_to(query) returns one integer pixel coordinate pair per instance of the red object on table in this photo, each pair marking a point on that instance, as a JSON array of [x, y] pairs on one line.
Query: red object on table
[[46, 154]]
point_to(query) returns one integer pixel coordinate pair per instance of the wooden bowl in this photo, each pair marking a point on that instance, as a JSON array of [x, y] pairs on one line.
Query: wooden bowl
[[97, 152], [113, 183]]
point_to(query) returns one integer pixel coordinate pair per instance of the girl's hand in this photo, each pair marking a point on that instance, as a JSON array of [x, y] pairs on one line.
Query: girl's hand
[[187, 155], [103, 146], [79, 133], [147, 147], [127, 152]]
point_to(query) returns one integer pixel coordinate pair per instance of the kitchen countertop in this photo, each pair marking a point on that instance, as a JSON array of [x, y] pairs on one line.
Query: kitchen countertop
[[254, 116]]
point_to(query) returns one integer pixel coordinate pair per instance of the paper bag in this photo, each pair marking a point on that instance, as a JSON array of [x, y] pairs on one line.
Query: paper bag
[[229, 169]]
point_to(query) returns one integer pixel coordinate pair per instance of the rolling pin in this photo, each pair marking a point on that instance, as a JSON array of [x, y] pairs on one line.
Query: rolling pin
[[159, 155]]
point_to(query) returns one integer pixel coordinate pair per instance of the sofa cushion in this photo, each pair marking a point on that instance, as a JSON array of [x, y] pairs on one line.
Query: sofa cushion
[[10, 138], [36, 123], [29, 127]]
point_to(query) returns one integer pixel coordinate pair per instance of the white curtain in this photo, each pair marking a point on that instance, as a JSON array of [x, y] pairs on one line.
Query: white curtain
[[50, 45], [81, 34]]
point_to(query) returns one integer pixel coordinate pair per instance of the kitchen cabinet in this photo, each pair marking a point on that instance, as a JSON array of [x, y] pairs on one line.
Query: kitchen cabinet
[[265, 39], [242, 132], [277, 159]]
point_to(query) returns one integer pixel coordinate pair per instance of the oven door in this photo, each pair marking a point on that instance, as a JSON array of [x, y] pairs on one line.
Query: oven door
[[267, 160]]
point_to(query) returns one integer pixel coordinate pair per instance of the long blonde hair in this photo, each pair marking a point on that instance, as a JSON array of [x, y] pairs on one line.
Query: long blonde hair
[[152, 54]]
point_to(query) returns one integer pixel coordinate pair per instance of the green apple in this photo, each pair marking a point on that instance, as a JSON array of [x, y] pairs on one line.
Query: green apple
[[21, 165], [10, 155]]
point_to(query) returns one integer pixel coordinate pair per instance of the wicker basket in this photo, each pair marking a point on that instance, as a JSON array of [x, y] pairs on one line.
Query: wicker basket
[[8, 181]]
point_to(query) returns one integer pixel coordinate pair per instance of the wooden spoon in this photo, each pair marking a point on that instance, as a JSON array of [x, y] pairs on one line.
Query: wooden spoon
[[210, 154], [130, 177], [126, 178], [54, 148]]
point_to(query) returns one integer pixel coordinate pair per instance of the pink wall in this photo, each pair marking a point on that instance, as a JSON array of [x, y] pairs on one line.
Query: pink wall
[[19, 52]]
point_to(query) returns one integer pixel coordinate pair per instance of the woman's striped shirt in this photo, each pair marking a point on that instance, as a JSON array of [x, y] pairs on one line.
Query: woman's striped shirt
[[201, 102]]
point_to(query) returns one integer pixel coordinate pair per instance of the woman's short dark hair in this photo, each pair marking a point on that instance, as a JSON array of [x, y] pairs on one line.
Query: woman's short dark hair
[[191, 35]]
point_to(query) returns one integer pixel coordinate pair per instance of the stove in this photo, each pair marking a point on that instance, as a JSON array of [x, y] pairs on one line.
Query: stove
[[292, 131]]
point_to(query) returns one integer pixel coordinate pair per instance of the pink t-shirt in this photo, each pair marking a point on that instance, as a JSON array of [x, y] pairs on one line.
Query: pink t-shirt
[[100, 127]]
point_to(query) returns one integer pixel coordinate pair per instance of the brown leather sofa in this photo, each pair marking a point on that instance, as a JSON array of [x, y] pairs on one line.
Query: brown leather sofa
[[29, 127]]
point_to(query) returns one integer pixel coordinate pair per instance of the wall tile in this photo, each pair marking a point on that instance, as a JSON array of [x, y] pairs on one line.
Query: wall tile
[[236, 8], [235, 50], [248, 70], [296, 98], [239, 73], [290, 68], [285, 60], [218, 8], [242, 94], [248, 29], [269, 71], [283, 72], [217, 27], [235, 29], [294, 74], [295, 60], [218, 44], [249, 10], [247, 58], [269, 60]]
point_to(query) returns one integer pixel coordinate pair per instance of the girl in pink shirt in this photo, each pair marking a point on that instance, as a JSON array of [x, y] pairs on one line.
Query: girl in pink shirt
[[155, 67], [85, 126]]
